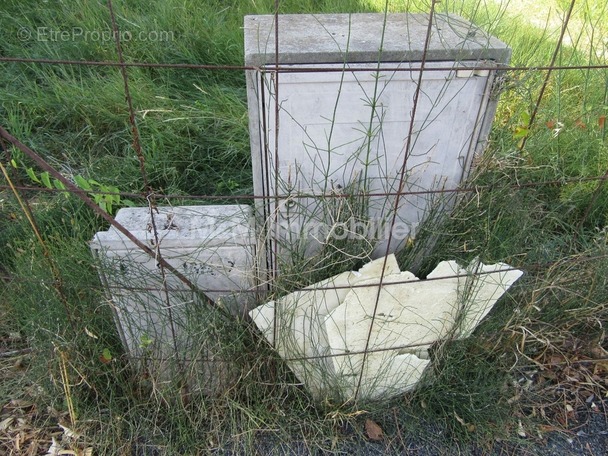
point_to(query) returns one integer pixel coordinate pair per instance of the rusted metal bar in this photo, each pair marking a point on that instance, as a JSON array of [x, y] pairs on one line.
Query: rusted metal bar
[[531, 268], [125, 78], [183, 66], [82, 195], [334, 194], [549, 72], [402, 174], [290, 69], [275, 221]]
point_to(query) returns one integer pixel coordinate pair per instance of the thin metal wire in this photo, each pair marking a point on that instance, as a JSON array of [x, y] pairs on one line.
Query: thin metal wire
[[304, 195], [402, 174], [150, 198], [125, 78], [283, 69], [549, 72]]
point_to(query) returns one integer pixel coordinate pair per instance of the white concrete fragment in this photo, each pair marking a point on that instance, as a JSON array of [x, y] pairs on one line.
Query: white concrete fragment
[[394, 325], [384, 374], [489, 283], [300, 320]]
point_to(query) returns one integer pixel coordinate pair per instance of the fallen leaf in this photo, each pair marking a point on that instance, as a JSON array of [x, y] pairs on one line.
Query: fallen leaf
[[601, 121], [5, 424], [550, 124], [545, 428], [460, 420], [520, 431], [89, 333], [373, 430]]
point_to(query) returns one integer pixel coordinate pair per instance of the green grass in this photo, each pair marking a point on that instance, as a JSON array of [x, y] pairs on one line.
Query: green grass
[[194, 133]]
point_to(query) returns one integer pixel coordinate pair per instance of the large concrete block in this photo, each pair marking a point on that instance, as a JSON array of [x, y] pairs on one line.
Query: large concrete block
[[329, 134]]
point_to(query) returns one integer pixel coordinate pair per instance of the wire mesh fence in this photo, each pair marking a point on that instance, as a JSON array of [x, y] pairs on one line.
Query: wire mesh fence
[[382, 146]]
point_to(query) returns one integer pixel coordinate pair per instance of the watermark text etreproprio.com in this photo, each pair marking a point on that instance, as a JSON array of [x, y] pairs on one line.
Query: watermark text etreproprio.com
[[49, 34]]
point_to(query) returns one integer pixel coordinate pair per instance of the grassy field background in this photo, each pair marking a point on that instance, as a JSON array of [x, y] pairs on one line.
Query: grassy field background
[[538, 361]]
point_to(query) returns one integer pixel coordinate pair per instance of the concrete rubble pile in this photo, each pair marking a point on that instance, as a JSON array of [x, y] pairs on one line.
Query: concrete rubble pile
[[324, 331]]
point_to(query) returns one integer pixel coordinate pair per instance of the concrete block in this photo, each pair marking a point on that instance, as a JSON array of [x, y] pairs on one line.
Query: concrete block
[[157, 314], [346, 131]]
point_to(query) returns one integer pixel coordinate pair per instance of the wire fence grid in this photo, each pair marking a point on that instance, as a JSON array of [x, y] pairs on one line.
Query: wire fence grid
[[169, 307]]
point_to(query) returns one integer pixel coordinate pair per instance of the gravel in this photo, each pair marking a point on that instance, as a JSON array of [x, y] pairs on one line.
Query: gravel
[[589, 439]]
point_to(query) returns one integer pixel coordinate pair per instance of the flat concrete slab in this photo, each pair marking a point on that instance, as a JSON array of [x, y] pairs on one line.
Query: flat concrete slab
[[336, 38]]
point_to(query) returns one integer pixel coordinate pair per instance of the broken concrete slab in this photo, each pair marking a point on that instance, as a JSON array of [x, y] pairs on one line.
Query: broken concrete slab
[[490, 282], [371, 339], [300, 316]]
